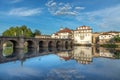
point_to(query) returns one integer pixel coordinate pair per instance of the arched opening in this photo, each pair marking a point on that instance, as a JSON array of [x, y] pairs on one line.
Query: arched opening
[[50, 49], [29, 46], [0, 42], [9, 48], [41, 44], [66, 44], [50, 44], [58, 44]]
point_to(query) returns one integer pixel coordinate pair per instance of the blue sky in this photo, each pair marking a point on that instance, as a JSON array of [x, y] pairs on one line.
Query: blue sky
[[49, 15]]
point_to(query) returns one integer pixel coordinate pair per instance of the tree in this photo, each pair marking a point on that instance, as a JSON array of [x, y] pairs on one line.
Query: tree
[[18, 31], [37, 32], [117, 38]]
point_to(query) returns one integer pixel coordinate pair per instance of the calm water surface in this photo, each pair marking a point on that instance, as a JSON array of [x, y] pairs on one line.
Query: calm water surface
[[80, 63]]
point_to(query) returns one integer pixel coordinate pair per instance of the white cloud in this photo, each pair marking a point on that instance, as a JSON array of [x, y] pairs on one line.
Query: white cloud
[[62, 8], [53, 4], [105, 19], [79, 8], [24, 11], [49, 3], [15, 1], [61, 3], [65, 74]]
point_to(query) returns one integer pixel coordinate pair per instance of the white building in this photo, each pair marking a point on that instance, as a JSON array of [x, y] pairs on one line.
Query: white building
[[82, 35], [65, 33], [105, 38]]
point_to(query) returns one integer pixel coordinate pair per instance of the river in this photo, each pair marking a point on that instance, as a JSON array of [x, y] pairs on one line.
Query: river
[[77, 63]]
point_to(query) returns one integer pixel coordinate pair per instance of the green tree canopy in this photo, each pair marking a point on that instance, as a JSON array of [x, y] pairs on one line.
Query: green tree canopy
[[18, 31], [37, 32], [117, 38]]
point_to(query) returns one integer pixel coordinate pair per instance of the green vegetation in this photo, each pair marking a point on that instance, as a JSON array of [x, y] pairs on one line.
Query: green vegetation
[[109, 45], [114, 43], [37, 32], [20, 31], [9, 44], [117, 55], [8, 48], [7, 51], [117, 38]]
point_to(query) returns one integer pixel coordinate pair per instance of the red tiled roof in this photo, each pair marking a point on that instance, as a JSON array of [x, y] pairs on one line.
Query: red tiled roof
[[56, 33], [65, 58], [65, 30]]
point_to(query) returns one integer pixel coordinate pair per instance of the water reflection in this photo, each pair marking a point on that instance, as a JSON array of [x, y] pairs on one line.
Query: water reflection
[[7, 51], [85, 55], [81, 54], [75, 63]]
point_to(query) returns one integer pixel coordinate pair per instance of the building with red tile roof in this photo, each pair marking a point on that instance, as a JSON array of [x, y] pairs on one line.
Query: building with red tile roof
[[63, 33]]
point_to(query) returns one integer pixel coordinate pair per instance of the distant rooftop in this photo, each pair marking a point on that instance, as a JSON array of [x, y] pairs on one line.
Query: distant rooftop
[[83, 27], [65, 30]]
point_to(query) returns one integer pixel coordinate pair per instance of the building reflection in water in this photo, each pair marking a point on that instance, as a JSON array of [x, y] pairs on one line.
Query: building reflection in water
[[85, 55], [104, 52], [65, 55], [81, 54]]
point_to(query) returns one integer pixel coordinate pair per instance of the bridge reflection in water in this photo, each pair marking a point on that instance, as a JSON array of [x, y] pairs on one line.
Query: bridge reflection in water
[[81, 54]]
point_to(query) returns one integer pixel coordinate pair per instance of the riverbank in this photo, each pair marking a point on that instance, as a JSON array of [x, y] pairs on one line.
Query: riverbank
[[107, 45]]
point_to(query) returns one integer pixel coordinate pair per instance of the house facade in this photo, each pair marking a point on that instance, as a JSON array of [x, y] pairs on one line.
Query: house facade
[[82, 35], [107, 37], [63, 33]]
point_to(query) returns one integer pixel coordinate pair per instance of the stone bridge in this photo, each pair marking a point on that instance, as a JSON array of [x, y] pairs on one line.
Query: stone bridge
[[36, 43]]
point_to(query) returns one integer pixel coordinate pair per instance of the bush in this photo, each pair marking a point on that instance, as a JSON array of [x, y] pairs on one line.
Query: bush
[[109, 45]]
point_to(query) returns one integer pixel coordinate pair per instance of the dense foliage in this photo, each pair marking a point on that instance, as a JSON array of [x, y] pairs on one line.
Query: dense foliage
[[20, 31], [37, 32], [117, 54], [117, 38], [109, 45]]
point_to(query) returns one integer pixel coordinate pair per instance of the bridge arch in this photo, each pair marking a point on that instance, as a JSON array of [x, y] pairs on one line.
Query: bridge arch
[[41, 44], [66, 43], [58, 44], [71, 44], [30, 44], [14, 43], [51, 44], [9, 47]]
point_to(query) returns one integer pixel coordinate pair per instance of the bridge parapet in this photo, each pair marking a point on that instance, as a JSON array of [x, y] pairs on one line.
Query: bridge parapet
[[18, 42]]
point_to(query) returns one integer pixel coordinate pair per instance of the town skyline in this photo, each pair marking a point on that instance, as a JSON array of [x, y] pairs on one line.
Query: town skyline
[[49, 15]]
